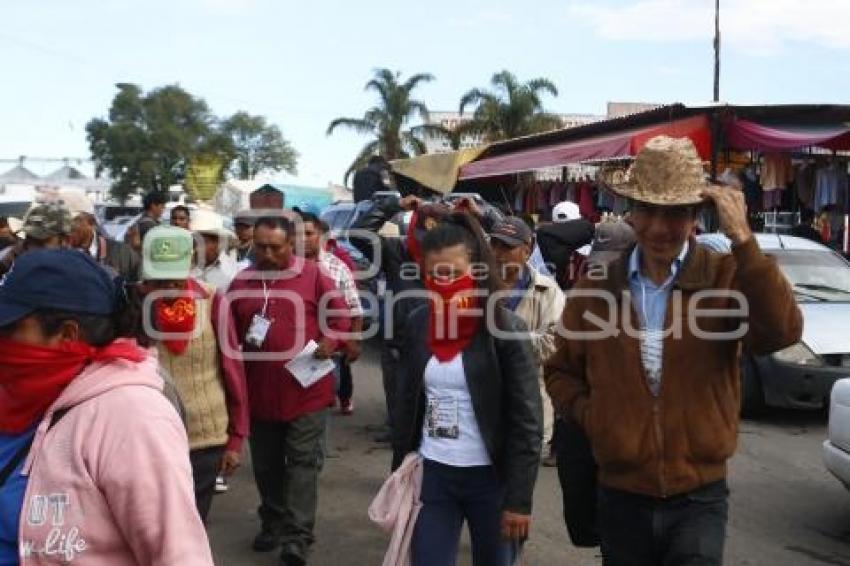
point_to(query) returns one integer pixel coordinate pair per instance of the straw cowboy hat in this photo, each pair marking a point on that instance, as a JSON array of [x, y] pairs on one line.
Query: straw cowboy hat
[[666, 172], [209, 222]]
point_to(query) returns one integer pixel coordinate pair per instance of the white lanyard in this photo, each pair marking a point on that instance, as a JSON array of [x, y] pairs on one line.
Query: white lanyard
[[646, 321], [265, 297]]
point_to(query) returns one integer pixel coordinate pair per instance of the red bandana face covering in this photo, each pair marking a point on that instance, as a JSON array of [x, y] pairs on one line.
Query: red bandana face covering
[[33, 377], [175, 317], [454, 316]]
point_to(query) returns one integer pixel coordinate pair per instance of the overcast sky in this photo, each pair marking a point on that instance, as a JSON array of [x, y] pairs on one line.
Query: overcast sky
[[302, 64]]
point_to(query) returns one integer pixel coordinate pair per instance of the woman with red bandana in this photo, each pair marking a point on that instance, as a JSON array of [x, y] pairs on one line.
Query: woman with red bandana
[[191, 347], [469, 404], [86, 433]]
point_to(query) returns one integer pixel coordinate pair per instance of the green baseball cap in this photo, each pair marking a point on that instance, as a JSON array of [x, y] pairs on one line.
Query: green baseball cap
[[166, 254], [46, 220]]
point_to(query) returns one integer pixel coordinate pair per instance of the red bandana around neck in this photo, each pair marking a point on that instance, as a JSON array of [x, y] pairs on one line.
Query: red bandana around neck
[[454, 316], [33, 377]]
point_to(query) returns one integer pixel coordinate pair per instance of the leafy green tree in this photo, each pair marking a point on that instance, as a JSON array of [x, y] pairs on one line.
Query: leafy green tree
[[509, 109], [388, 122], [148, 139], [258, 146]]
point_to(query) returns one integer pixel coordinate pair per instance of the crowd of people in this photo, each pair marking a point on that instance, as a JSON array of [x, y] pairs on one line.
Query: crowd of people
[[505, 347]]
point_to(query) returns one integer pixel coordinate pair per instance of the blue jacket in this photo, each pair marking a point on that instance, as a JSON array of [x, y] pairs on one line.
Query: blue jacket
[[11, 497]]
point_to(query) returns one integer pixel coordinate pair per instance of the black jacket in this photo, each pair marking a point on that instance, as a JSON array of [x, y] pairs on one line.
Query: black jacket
[[366, 182], [392, 259], [503, 382], [558, 241]]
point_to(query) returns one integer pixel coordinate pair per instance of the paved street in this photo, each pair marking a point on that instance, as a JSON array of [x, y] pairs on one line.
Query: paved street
[[786, 510]]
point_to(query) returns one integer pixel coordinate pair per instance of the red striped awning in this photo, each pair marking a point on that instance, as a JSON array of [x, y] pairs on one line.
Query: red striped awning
[[611, 146], [747, 135]]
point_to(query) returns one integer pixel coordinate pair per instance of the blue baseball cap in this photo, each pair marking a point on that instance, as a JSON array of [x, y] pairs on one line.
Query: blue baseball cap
[[308, 208], [63, 280]]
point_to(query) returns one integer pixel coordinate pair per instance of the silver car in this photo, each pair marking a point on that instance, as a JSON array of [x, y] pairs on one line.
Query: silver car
[[802, 375]]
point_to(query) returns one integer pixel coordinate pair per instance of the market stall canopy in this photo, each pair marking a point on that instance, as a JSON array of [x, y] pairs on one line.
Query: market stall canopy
[[747, 135], [436, 171], [612, 146], [698, 128]]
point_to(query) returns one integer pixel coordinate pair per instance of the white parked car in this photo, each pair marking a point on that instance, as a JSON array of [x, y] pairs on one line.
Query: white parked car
[[800, 376], [836, 448]]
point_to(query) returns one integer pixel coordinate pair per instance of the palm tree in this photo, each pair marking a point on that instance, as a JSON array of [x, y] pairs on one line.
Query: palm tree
[[510, 109], [388, 121]]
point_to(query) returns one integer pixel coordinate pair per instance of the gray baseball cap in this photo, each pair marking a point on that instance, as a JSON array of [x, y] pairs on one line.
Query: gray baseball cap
[[610, 241]]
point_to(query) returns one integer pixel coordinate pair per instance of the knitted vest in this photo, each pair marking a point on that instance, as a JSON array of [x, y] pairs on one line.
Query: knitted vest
[[197, 375]]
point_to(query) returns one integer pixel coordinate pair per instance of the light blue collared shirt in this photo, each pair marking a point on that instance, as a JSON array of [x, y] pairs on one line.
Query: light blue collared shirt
[[650, 302], [538, 263]]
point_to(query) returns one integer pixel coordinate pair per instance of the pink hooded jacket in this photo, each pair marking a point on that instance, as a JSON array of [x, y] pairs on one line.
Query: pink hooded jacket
[[110, 482]]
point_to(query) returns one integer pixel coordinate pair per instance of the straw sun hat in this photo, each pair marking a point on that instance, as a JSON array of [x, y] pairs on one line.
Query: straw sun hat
[[666, 172]]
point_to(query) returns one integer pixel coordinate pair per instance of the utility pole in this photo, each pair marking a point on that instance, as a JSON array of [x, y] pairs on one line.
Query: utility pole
[[717, 51], [715, 112]]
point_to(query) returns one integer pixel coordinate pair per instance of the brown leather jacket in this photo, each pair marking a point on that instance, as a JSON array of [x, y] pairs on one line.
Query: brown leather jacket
[[676, 442]]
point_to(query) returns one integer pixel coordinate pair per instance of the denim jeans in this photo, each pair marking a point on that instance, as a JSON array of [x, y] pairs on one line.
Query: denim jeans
[[449, 496], [685, 530]]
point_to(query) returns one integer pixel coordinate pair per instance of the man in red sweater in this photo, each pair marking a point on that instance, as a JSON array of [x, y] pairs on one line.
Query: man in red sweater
[[277, 307]]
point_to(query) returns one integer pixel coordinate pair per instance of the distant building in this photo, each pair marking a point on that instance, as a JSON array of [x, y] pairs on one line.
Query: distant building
[[620, 109], [451, 120], [68, 179]]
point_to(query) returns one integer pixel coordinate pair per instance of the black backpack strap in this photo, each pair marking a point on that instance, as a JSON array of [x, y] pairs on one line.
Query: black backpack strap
[[17, 458]]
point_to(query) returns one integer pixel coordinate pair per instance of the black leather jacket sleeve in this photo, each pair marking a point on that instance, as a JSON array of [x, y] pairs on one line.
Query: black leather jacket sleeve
[[523, 412], [392, 250], [409, 399]]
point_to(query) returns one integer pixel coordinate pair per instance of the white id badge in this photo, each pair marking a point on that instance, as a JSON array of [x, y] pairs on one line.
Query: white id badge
[[442, 417], [257, 331]]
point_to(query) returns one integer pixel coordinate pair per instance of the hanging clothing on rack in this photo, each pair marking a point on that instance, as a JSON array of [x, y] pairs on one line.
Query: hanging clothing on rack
[[570, 192], [519, 199], [772, 199], [830, 186], [543, 197], [752, 189], [776, 171], [584, 192], [621, 205], [604, 199], [556, 193], [804, 181], [530, 205]]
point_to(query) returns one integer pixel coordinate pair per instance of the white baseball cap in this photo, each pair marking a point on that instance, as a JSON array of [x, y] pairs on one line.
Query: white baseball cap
[[565, 211]]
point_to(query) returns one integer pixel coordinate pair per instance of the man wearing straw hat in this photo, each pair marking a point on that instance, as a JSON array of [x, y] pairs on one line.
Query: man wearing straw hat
[[647, 361]]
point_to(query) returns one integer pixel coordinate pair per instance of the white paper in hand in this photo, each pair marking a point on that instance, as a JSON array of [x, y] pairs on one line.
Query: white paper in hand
[[307, 369]]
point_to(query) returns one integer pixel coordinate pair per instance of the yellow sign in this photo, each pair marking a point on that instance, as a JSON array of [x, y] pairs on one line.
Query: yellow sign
[[202, 177]]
